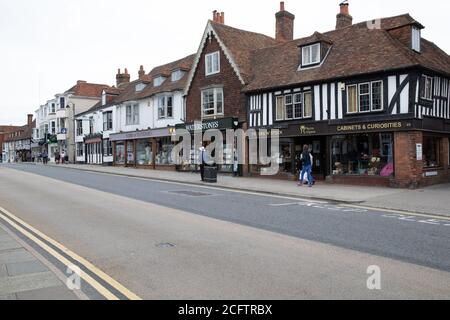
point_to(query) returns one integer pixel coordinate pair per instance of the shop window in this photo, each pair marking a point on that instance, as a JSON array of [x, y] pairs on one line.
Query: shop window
[[130, 152], [120, 153], [431, 151], [107, 148], [164, 151], [79, 149], [144, 153], [365, 154]]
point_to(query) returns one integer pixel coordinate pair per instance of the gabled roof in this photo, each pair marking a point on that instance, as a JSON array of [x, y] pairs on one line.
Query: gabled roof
[[237, 45], [355, 50]]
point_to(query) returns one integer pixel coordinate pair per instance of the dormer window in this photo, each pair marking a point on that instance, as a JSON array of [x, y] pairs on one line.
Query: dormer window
[[158, 81], [177, 75], [212, 63], [140, 87], [416, 39], [311, 55]]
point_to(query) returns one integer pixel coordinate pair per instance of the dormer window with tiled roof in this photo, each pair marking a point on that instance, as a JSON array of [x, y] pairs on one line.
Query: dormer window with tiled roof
[[311, 55], [177, 75], [158, 81]]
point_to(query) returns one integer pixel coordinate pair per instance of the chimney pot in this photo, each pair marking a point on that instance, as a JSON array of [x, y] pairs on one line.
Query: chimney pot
[[282, 6], [222, 18], [122, 77]]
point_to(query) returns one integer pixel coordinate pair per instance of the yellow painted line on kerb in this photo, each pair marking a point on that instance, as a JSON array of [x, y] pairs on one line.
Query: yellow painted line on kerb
[[12, 219]]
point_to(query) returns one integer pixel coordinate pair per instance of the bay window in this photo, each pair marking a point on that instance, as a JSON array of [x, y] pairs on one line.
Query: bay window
[[212, 102]]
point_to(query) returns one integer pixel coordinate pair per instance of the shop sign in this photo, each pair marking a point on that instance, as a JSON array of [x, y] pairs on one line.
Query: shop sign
[[218, 124], [419, 152], [306, 130], [155, 133], [431, 174], [374, 126]]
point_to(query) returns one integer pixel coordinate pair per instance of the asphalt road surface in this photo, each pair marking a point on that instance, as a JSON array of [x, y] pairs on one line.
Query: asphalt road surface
[[226, 244]]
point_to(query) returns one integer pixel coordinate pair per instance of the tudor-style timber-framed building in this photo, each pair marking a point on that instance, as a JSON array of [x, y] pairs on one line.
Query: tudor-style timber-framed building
[[371, 100]]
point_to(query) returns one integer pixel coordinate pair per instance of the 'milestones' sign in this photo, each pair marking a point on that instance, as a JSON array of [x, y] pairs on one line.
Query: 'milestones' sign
[[219, 124]]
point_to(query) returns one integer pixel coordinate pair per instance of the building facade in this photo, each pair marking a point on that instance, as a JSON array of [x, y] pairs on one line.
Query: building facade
[[4, 130], [17, 143], [371, 102]]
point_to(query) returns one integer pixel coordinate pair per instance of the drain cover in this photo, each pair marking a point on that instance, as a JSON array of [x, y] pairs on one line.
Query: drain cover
[[165, 245], [191, 193]]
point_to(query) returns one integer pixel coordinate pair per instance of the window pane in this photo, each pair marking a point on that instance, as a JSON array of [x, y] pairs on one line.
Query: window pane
[[431, 150], [298, 112], [219, 96], [315, 56], [364, 97], [307, 99], [306, 55], [289, 107], [280, 108], [352, 105], [208, 102], [377, 97]]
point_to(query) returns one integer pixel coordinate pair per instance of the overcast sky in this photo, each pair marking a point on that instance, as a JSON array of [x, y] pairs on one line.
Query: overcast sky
[[47, 45]]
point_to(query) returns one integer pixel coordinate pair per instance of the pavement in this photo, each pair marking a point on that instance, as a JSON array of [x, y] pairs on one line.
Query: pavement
[[431, 200], [25, 277], [164, 240]]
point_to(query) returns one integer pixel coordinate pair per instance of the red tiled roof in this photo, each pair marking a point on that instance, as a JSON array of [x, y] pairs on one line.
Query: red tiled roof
[[25, 133], [355, 50], [241, 44], [84, 89]]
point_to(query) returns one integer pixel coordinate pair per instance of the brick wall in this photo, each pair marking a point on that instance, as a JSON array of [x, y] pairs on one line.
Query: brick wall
[[408, 171], [234, 99]]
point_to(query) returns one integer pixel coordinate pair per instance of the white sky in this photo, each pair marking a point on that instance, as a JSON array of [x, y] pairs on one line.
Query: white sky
[[47, 45]]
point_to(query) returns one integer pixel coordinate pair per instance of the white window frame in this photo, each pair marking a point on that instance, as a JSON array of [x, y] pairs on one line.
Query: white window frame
[[425, 96], [382, 96], [286, 104], [416, 39], [365, 94], [215, 91], [310, 49], [163, 104], [132, 118], [158, 81], [358, 94], [177, 75], [209, 58]]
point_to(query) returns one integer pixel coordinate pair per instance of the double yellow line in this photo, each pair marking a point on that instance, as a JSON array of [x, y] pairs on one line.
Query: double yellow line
[[17, 223]]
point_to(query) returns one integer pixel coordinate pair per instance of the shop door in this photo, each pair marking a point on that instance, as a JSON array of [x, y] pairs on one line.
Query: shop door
[[317, 147]]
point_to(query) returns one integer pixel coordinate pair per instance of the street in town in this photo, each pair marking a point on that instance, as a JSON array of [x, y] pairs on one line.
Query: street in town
[[143, 238]]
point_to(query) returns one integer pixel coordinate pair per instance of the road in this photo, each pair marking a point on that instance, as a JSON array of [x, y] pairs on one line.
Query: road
[[226, 244]]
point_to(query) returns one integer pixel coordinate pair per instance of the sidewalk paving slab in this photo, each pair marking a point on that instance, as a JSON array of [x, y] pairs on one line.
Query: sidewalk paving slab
[[24, 277]]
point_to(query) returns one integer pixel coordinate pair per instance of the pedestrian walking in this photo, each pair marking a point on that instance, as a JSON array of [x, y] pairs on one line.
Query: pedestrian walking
[[307, 161], [235, 164], [45, 157], [202, 162], [57, 157]]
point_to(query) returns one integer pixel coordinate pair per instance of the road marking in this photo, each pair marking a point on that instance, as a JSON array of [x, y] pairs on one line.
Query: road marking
[[12, 219], [400, 212]]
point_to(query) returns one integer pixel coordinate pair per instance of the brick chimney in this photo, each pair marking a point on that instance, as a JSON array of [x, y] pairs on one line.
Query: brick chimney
[[344, 19], [122, 78], [285, 24], [29, 119], [219, 17], [141, 73]]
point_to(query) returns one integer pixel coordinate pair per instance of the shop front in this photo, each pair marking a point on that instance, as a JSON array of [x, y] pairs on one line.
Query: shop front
[[222, 125], [151, 149], [397, 153], [94, 149]]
